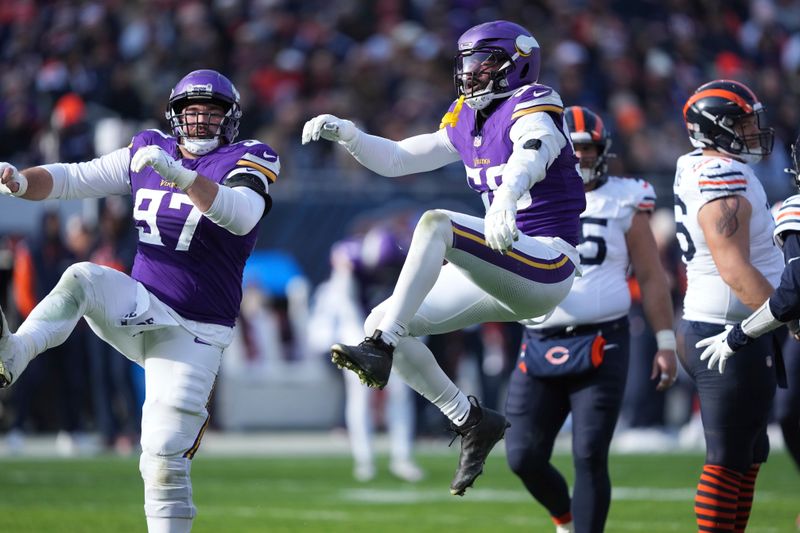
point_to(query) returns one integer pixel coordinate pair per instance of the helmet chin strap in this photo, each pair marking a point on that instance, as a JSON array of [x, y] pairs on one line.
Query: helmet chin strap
[[200, 146]]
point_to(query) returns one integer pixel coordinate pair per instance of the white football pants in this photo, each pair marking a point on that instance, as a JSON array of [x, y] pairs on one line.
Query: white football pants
[[476, 285], [180, 370]]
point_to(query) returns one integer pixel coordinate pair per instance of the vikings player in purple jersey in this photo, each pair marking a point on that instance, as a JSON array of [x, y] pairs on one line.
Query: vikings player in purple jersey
[[198, 197], [517, 262]]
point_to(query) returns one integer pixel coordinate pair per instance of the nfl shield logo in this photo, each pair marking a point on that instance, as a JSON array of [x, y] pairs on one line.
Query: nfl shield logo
[[477, 141]]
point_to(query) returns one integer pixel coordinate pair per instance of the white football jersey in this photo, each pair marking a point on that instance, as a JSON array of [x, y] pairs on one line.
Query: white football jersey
[[787, 217], [602, 293], [698, 180]]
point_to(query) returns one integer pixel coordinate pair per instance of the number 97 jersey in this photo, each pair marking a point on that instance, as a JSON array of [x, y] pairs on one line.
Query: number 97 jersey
[[186, 260], [602, 293], [700, 179]]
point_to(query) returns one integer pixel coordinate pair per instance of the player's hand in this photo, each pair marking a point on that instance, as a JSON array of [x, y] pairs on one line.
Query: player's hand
[[169, 168], [12, 182], [717, 350], [330, 128], [665, 368], [500, 222]]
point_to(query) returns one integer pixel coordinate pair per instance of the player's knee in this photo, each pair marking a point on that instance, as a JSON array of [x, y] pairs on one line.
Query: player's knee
[[167, 486], [433, 222], [590, 457], [526, 462], [78, 278]]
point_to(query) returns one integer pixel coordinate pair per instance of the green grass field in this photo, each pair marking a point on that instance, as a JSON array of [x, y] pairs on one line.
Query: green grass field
[[652, 494]]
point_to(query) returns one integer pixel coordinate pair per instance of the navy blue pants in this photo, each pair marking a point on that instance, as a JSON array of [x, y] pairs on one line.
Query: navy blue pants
[[787, 401], [538, 407], [735, 406]]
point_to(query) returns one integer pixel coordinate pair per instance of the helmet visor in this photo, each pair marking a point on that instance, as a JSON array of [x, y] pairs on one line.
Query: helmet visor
[[475, 70]]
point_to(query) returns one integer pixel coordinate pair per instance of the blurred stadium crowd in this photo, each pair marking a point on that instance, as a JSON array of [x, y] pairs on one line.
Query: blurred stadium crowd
[[80, 77], [388, 64]]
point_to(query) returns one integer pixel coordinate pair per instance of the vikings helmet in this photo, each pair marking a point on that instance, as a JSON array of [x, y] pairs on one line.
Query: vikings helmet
[[713, 117], [586, 127], [347, 253], [204, 86], [495, 59]]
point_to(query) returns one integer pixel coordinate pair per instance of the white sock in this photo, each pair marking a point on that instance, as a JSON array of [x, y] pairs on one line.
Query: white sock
[[157, 524], [565, 528], [416, 365], [391, 333], [457, 408]]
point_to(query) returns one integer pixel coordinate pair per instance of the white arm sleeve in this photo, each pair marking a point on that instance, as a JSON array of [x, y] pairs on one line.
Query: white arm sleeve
[[761, 321], [389, 158], [528, 166], [237, 209], [105, 176]]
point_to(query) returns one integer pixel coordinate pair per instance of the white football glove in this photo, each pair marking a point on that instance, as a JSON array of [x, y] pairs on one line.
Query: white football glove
[[10, 176], [170, 169], [330, 128], [500, 222], [717, 350]]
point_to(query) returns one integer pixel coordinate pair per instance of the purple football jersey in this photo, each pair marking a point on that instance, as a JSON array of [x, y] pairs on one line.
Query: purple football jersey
[[557, 200], [187, 261]]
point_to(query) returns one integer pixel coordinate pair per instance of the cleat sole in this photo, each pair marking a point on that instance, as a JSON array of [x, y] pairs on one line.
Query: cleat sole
[[341, 360]]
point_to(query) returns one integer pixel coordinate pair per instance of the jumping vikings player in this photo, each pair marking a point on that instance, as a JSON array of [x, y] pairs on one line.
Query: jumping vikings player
[[198, 198], [725, 230], [576, 361], [515, 263]]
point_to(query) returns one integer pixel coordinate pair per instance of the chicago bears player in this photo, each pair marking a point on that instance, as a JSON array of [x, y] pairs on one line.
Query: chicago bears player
[[589, 333], [725, 227], [198, 197], [782, 307], [515, 263]]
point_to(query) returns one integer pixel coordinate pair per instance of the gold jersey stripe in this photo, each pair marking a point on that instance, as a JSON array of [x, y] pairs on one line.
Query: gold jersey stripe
[[271, 176], [513, 255], [534, 109]]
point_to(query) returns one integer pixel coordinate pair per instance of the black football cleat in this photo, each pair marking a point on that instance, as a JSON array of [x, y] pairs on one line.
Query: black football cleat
[[483, 429], [371, 360]]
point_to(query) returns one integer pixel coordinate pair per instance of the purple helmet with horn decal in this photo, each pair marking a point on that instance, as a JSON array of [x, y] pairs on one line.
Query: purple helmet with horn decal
[[495, 59], [204, 87]]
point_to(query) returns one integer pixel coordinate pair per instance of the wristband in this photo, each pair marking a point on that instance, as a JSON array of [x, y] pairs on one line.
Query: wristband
[[737, 338], [665, 340]]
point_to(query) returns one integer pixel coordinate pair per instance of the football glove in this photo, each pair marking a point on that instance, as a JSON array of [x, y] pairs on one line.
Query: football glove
[[330, 128], [9, 177], [500, 222], [717, 350], [170, 169]]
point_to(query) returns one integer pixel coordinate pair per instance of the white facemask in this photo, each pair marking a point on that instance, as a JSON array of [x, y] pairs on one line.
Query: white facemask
[[587, 174], [200, 146]]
